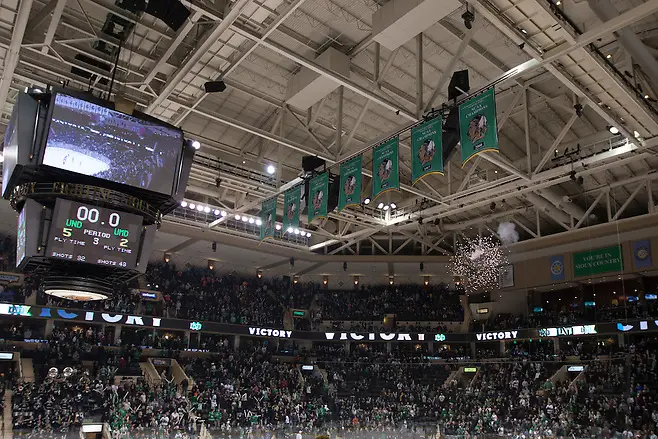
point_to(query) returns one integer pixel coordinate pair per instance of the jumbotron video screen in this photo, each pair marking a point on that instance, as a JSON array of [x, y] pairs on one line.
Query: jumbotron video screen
[[93, 140]]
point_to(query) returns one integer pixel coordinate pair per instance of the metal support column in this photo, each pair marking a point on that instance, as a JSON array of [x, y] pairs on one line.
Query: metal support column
[[419, 75]]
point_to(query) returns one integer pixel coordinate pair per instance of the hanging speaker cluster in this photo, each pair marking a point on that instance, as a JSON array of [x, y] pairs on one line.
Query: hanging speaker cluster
[[172, 12]]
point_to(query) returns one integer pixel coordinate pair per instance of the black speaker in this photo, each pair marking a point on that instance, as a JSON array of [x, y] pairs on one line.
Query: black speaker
[[172, 12], [214, 86], [450, 134], [311, 163], [459, 80]]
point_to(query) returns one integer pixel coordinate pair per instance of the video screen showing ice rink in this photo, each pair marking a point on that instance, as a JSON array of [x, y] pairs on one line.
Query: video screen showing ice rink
[[89, 139]]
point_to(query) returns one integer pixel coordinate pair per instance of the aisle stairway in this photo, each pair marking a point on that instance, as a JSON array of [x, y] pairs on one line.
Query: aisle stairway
[[7, 426], [27, 370]]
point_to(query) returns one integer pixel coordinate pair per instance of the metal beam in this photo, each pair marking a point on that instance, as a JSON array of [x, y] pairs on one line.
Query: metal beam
[[377, 245], [52, 27], [447, 73], [628, 201], [175, 44], [419, 75], [556, 143], [12, 55], [219, 29], [339, 121], [526, 126], [590, 208], [244, 55]]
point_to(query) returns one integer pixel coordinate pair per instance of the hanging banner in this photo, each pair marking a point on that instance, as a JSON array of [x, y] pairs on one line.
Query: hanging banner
[[317, 197], [477, 125], [268, 219], [291, 207], [350, 183], [427, 149], [385, 172]]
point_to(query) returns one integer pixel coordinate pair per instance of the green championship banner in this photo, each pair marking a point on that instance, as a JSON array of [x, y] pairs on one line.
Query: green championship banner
[[318, 194], [599, 261], [477, 125], [268, 218], [427, 149], [385, 172], [350, 183], [291, 206]]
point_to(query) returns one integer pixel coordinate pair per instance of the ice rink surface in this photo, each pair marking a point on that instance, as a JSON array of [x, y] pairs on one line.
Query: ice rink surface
[[64, 158]]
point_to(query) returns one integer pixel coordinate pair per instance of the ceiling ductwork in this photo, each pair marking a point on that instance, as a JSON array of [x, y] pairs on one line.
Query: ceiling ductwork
[[308, 87], [399, 21], [605, 10], [545, 206], [562, 202]]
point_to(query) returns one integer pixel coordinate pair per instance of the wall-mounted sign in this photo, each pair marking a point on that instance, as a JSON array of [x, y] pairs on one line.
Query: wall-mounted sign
[[590, 304], [470, 369], [440, 337], [298, 313], [568, 331], [267, 332], [557, 267], [482, 310], [196, 326], [506, 276], [599, 261], [6, 355], [537, 309], [575, 368], [642, 254], [307, 367], [148, 295], [650, 296], [374, 336], [501, 335]]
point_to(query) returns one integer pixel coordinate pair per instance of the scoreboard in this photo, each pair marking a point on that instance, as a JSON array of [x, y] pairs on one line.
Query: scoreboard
[[95, 235]]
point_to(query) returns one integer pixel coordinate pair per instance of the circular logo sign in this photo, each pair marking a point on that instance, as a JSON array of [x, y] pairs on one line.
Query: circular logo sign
[[195, 326], [556, 268], [642, 253], [440, 337]]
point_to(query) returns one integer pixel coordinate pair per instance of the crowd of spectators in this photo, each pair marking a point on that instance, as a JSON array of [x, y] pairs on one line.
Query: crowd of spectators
[[407, 302]]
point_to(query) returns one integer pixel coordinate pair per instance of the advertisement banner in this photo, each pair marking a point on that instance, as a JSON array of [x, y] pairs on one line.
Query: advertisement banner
[[268, 218], [599, 261], [318, 195], [557, 267], [506, 276], [427, 149], [642, 254], [291, 207], [350, 183], [385, 172], [477, 125]]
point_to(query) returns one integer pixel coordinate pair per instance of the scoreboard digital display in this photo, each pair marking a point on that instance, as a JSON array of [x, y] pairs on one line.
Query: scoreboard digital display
[[95, 235]]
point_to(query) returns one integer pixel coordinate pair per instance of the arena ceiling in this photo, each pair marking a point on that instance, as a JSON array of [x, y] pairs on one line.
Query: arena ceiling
[[545, 57]]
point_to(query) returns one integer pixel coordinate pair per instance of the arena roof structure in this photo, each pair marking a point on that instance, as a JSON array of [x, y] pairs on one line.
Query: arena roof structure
[[576, 95]]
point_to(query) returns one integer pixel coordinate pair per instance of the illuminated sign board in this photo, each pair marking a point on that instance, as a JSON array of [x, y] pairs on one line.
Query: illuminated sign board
[[299, 313], [307, 367], [470, 369], [575, 368], [650, 296], [374, 336], [6, 355], [566, 331], [482, 310], [501, 335]]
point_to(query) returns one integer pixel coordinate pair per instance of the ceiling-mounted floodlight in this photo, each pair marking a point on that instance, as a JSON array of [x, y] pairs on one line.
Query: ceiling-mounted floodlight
[[613, 129], [468, 18]]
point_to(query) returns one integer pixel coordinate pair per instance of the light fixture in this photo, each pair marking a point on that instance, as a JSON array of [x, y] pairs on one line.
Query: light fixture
[[271, 169], [259, 274], [325, 280], [259, 222], [558, 3], [206, 209], [636, 134], [646, 96], [245, 219], [308, 234], [391, 279], [380, 205], [295, 279], [199, 208], [216, 212], [290, 229], [296, 231], [223, 213], [613, 129], [427, 280], [525, 32], [211, 264], [608, 56], [366, 201], [386, 207], [393, 206], [278, 227], [356, 280], [183, 203], [196, 144], [238, 217], [251, 221], [468, 18], [167, 257], [192, 206]]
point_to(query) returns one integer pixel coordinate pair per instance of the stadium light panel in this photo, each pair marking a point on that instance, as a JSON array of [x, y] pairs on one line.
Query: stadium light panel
[[183, 203]]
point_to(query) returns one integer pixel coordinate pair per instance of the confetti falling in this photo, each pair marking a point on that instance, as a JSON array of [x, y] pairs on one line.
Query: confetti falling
[[477, 262]]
